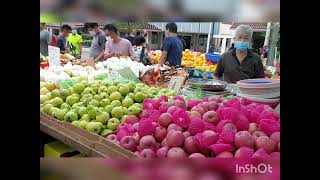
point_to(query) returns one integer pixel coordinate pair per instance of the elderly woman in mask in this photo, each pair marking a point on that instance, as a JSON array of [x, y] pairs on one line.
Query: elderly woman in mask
[[240, 62]]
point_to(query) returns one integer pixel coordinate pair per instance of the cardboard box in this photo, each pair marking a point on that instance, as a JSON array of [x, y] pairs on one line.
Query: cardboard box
[[57, 149]]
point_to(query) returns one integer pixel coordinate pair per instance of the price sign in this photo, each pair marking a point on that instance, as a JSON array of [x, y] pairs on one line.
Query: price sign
[[176, 83], [54, 56]]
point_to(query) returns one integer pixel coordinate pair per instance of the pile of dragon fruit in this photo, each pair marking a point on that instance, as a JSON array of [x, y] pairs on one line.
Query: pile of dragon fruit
[[206, 128]]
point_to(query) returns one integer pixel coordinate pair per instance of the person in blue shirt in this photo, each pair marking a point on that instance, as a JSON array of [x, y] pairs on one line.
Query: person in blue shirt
[[172, 47]]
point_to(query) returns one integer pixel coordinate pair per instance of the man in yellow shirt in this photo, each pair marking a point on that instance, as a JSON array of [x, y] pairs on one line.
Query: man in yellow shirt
[[74, 41]]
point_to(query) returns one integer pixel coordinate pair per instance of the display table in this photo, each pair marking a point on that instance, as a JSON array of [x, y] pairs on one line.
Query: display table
[[87, 143]]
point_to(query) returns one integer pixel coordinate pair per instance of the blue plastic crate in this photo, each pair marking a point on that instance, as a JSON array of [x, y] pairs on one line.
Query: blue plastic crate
[[196, 73], [213, 57]]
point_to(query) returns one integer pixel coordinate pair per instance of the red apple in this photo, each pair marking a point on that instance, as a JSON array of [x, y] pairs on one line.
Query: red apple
[[160, 133], [198, 109], [147, 142], [176, 152], [164, 107], [136, 137], [174, 127], [135, 126], [129, 143], [279, 146], [162, 152], [244, 138], [196, 155], [211, 117], [131, 119], [179, 104], [165, 119], [244, 152], [253, 127], [148, 153], [190, 146], [214, 105], [144, 114], [186, 134], [194, 115], [275, 155], [275, 137], [229, 126], [164, 143], [211, 98], [175, 138], [225, 154], [172, 109], [208, 133], [258, 134], [112, 137], [266, 143]]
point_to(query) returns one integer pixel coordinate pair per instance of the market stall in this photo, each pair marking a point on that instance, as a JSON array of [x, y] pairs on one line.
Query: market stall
[[121, 108]]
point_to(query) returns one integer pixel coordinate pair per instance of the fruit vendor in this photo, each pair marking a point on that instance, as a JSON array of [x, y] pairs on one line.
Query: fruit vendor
[[45, 40], [240, 63], [172, 47], [62, 38], [98, 42], [117, 46], [75, 43]]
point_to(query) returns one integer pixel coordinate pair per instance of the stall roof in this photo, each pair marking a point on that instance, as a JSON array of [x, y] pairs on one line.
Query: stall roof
[[254, 26], [135, 25]]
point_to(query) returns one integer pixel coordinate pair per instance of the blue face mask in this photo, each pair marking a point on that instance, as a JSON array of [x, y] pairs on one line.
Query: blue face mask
[[242, 46]]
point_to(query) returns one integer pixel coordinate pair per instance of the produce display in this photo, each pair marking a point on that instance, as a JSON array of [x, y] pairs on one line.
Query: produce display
[[206, 128], [98, 106], [197, 60], [191, 59]]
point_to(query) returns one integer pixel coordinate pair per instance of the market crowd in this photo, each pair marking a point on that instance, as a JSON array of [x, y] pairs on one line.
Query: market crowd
[[236, 64]]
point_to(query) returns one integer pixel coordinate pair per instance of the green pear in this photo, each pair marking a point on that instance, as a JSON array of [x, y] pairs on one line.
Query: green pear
[[112, 89], [104, 95], [59, 114], [101, 89], [85, 117], [94, 87], [115, 96], [125, 110], [94, 127], [123, 118], [97, 97], [71, 116], [44, 91], [134, 110], [94, 102], [138, 105], [65, 93], [130, 95], [116, 82], [88, 90], [117, 112], [78, 88], [76, 95], [105, 102], [137, 89], [116, 103], [109, 108], [127, 102], [102, 117], [131, 86], [92, 112], [53, 111], [65, 106], [71, 100], [43, 98], [113, 124], [106, 132], [76, 123], [47, 108], [82, 110], [50, 86], [56, 102], [83, 124], [86, 98], [124, 90], [139, 97], [140, 85], [55, 93]]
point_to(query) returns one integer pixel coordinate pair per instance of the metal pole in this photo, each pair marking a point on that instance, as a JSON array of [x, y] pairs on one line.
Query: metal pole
[[273, 42], [209, 35], [266, 39]]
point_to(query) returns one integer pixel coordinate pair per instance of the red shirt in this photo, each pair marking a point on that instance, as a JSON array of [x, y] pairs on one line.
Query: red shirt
[[54, 41]]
